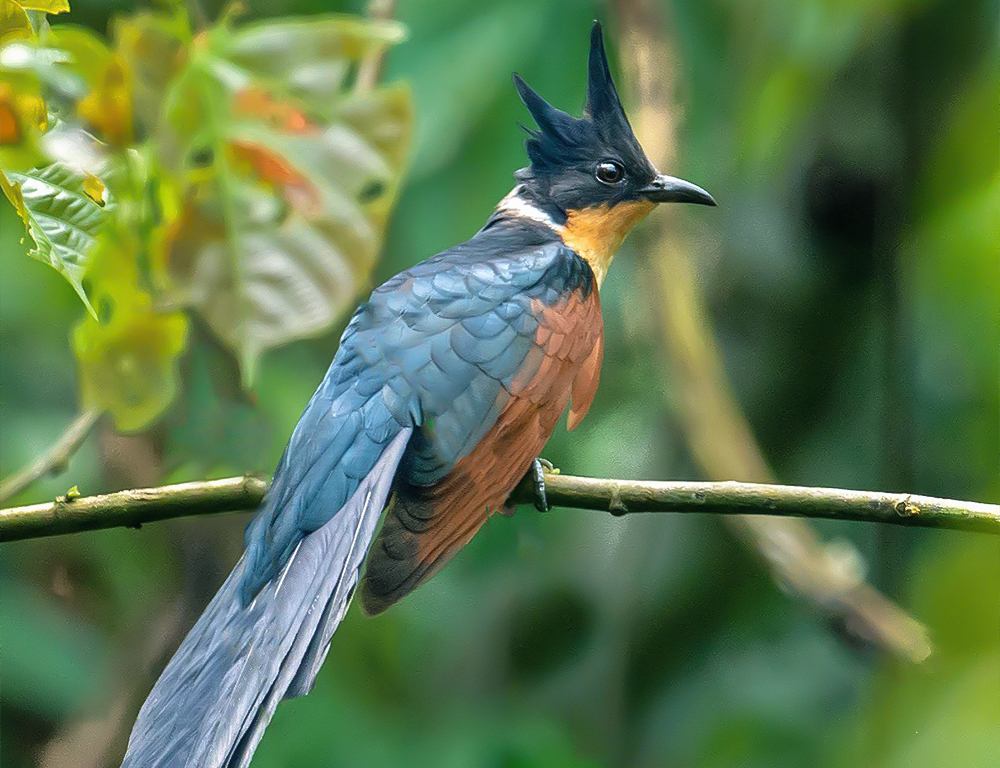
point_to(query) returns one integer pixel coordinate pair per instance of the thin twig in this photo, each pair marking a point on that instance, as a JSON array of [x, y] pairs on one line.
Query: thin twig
[[619, 497], [829, 576], [370, 67], [53, 460]]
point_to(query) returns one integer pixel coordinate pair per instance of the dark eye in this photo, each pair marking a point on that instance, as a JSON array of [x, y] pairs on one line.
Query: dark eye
[[610, 172]]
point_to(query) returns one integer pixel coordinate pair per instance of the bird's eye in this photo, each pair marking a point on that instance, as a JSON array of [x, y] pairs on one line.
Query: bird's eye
[[610, 172]]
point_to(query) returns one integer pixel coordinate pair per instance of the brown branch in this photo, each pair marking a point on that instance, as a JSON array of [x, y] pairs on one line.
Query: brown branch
[[717, 432], [53, 460], [619, 497], [130, 509]]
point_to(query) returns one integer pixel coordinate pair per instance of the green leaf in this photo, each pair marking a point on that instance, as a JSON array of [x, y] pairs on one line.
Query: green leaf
[[309, 60], [286, 221], [128, 352], [60, 217]]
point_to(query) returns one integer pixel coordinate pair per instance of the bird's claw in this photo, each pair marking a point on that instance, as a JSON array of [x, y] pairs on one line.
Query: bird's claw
[[539, 468]]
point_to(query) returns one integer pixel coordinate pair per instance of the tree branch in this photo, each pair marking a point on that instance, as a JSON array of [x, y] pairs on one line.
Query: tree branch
[[130, 509], [53, 460], [619, 497]]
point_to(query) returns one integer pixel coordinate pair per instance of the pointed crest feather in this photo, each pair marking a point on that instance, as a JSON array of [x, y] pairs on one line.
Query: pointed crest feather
[[563, 141], [603, 103]]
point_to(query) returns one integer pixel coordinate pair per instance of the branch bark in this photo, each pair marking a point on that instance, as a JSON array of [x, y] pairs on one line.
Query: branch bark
[[134, 508], [53, 460], [827, 575], [130, 509]]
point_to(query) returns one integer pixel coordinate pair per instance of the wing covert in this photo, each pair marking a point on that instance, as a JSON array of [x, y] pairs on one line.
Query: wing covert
[[509, 373]]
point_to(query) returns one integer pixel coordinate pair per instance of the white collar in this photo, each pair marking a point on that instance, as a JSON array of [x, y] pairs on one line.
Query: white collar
[[516, 204]]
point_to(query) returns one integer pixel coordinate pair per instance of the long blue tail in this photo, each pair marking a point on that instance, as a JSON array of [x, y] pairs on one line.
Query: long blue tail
[[218, 693]]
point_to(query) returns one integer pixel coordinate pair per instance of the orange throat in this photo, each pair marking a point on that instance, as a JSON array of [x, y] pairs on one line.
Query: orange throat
[[596, 232]]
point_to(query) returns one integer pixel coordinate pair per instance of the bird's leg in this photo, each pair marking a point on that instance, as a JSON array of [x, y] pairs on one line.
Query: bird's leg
[[538, 469], [536, 474]]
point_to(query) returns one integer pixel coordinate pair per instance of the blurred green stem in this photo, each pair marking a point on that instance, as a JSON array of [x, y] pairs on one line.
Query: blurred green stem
[[717, 431], [370, 68], [196, 12], [619, 497], [53, 460]]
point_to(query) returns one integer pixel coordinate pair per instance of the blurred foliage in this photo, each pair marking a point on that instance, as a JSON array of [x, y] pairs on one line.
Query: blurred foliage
[[853, 269], [257, 192], [127, 353]]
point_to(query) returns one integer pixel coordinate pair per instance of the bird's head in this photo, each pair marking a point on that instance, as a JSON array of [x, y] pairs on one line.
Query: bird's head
[[589, 174]]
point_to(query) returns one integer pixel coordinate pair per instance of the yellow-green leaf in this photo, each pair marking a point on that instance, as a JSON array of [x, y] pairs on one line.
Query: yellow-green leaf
[[128, 354], [45, 6], [13, 194], [23, 19], [14, 22], [94, 188], [153, 47], [60, 217], [105, 104]]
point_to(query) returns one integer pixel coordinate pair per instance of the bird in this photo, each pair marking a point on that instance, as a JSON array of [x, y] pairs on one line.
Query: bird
[[446, 385]]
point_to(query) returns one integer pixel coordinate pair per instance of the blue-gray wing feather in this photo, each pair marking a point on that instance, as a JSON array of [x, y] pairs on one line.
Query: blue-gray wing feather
[[211, 704]]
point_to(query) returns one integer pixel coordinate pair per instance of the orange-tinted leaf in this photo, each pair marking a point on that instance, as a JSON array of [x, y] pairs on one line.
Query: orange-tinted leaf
[[295, 273], [182, 242], [10, 126], [20, 113], [258, 103], [291, 175], [277, 171], [23, 118]]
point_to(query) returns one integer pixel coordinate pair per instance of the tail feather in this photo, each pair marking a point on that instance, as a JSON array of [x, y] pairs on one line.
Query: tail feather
[[218, 693]]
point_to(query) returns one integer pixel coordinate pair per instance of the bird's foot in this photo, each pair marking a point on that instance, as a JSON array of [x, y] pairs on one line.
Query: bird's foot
[[539, 468]]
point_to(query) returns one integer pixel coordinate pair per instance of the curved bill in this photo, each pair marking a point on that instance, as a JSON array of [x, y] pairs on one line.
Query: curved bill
[[669, 189]]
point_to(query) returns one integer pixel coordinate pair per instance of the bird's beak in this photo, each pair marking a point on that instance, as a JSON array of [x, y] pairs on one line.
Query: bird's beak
[[668, 189]]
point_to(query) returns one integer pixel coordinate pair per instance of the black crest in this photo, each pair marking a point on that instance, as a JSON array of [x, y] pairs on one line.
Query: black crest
[[569, 147]]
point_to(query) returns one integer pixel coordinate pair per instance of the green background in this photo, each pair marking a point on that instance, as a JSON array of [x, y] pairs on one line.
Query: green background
[[852, 275]]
